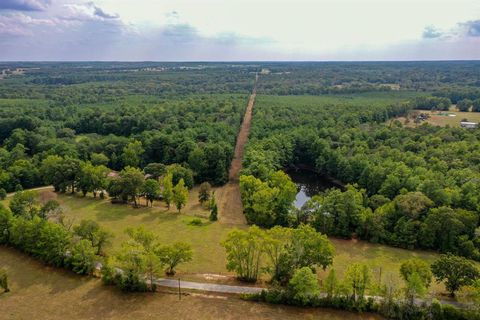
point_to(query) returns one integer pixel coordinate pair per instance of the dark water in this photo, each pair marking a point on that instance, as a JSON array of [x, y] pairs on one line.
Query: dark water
[[309, 184]]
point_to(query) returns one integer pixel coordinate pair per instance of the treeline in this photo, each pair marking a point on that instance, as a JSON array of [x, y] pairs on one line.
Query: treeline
[[291, 257], [414, 187], [44, 232], [317, 78], [198, 134]]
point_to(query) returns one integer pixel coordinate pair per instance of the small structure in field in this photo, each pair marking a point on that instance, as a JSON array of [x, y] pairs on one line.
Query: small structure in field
[[469, 125]]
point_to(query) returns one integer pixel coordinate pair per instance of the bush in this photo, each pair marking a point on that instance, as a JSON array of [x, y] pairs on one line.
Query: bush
[[304, 286], [3, 194], [196, 222], [129, 281], [82, 257]]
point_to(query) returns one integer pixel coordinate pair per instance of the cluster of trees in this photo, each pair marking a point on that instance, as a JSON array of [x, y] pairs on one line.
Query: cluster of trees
[[268, 203], [197, 132], [410, 220], [467, 105], [386, 297], [46, 236], [431, 103], [278, 251], [413, 185], [130, 184], [142, 259], [43, 232]]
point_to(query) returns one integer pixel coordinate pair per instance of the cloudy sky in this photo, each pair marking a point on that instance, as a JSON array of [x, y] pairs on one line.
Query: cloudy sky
[[181, 30]]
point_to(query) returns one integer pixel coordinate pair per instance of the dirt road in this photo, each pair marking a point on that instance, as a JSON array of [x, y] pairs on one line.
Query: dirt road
[[228, 197]]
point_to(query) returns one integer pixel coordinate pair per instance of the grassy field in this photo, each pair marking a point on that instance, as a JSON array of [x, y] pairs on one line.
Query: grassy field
[[209, 255], [441, 118], [39, 292]]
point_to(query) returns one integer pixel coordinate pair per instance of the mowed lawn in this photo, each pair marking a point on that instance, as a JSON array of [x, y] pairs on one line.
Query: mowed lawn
[[209, 255]]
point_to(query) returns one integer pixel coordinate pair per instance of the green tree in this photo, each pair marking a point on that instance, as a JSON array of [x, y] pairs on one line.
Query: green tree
[[132, 181], [132, 154], [155, 170], [92, 178], [99, 159], [420, 267], [167, 192], [90, 230], [415, 287], [24, 203], [464, 105], [204, 192], [213, 209], [304, 286], [3, 194], [455, 271], [173, 255], [82, 257], [151, 190], [330, 284], [358, 278], [51, 209], [244, 252], [180, 195]]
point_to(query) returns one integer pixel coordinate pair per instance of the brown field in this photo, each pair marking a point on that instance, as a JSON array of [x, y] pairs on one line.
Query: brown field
[[39, 292]]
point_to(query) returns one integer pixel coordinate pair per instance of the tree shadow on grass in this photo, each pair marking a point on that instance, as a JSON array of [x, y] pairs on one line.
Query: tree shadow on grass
[[107, 211], [25, 271]]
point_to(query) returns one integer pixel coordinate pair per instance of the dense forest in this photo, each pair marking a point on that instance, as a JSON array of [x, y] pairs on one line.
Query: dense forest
[[120, 115], [407, 187]]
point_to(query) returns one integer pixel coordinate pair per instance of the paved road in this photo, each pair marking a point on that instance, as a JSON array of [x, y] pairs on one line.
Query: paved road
[[173, 283], [34, 189]]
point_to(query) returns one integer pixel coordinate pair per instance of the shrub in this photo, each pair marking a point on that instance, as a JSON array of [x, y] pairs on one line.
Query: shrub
[[304, 286]]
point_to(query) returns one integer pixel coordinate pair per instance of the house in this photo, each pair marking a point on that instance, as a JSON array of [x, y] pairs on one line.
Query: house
[[469, 125]]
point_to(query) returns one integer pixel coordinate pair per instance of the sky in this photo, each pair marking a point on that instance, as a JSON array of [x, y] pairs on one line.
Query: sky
[[239, 30]]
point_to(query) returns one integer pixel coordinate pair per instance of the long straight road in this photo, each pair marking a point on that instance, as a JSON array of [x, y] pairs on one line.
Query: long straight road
[[229, 200]]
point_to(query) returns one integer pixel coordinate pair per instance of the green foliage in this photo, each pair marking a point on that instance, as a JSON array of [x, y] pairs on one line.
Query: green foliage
[[24, 203], [128, 186], [357, 278], [151, 190], [172, 255], [132, 154], [90, 230], [420, 267], [455, 271], [82, 257], [244, 252], [268, 203], [204, 192], [167, 192], [280, 251], [213, 209], [304, 286], [155, 170], [178, 173], [3, 194], [180, 195]]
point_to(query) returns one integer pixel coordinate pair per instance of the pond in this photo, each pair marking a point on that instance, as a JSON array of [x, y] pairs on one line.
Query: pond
[[309, 184]]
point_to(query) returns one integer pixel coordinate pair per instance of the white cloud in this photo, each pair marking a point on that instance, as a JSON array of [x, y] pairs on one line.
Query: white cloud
[[241, 30]]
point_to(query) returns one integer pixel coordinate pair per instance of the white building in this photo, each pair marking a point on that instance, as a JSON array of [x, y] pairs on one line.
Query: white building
[[468, 125]]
